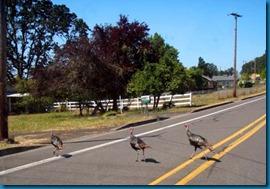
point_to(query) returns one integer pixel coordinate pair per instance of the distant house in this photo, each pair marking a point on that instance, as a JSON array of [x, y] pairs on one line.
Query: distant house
[[211, 84], [12, 98], [224, 81]]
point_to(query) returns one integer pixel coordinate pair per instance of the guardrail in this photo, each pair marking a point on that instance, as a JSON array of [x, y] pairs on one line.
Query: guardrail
[[135, 103]]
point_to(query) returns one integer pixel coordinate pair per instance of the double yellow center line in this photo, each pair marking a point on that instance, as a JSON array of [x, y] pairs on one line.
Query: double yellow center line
[[217, 156]]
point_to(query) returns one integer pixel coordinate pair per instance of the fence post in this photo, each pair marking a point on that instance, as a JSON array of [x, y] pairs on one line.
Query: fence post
[[137, 102], [190, 98], [121, 104]]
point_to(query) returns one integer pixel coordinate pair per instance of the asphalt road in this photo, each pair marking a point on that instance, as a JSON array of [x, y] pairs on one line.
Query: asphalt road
[[108, 159]]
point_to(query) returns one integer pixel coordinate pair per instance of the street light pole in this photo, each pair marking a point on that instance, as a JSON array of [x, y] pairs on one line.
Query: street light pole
[[235, 48]]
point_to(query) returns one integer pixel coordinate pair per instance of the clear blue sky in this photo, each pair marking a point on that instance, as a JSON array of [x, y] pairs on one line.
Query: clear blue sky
[[196, 28]]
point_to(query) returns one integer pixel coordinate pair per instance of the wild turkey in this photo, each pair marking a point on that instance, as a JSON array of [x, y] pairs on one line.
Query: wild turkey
[[137, 144], [57, 143], [198, 141]]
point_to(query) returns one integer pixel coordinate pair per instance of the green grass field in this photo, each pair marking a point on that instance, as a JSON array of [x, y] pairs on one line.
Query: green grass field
[[66, 121], [21, 127]]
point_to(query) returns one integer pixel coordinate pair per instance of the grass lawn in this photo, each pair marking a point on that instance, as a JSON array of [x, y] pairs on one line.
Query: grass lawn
[[32, 129], [35, 128], [65, 121]]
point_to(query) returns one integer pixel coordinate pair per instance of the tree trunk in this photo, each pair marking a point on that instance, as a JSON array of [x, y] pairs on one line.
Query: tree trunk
[[158, 97], [115, 106], [98, 107], [154, 105], [80, 108]]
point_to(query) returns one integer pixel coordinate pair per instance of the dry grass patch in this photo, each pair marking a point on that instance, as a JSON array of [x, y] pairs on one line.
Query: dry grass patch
[[35, 129]]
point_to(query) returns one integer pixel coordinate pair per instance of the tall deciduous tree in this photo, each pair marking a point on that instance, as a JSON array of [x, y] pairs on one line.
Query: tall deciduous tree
[[95, 68], [229, 71], [69, 75], [121, 51], [263, 74], [259, 63], [197, 80], [32, 29], [209, 69], [165, 75]]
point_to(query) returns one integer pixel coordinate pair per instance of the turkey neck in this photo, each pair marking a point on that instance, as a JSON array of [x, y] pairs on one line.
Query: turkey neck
[[132, 137], [188, 132]]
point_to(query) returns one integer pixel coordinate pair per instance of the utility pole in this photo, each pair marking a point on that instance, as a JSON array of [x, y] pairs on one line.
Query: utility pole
[[235, 47], [3, 63], [255, 67]]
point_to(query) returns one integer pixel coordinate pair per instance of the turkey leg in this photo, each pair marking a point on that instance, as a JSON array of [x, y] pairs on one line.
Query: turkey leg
[[137, 156], [143, 154], [193, 152]]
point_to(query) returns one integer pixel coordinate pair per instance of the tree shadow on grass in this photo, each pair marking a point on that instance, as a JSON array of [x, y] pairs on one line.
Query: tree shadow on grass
[[18, 149]]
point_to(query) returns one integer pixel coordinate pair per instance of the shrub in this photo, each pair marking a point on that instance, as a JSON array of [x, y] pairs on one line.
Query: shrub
[[248, 84], [241, 84], [29, 104], [167, 105], [61, 108]]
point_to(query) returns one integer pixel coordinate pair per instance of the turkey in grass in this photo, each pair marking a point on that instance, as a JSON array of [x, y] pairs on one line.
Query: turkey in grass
[[137, 144], [57, 143], [198, 141]]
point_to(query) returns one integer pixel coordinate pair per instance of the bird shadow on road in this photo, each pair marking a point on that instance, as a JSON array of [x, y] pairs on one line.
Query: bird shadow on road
[[151, 160], [66, 155], [210, 159]]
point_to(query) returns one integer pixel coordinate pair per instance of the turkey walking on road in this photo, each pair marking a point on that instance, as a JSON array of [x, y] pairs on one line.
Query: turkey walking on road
[[137, 143], [198, 141], [57, 143]]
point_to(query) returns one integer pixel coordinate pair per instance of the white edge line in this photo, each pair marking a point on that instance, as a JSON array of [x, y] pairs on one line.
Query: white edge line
[[26, 166]]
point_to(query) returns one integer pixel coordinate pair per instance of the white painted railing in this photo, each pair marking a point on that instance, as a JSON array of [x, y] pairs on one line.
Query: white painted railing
[[178, 100]]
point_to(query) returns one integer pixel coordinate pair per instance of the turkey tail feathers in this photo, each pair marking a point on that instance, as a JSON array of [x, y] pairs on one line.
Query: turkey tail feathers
[[147, 146], [60, 147]]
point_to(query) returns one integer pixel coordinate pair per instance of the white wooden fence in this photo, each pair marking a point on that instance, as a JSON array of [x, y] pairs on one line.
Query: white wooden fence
[[135, 103]]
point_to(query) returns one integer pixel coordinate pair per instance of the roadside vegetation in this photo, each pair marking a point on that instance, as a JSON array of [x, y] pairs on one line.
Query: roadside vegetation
[[34, 129], [93, 64]]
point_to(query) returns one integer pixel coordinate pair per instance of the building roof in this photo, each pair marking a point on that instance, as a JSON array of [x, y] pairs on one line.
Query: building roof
[[223, 78], [219, 78], [207, 78]]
